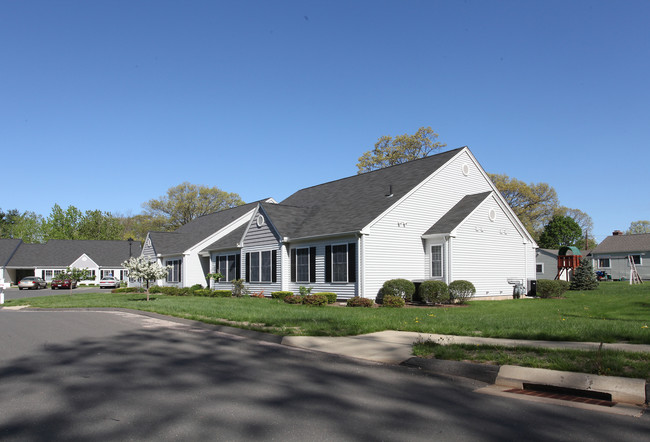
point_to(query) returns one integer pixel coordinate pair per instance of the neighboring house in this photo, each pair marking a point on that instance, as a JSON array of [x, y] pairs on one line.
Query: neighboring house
[[100, 258], [7, 249], [611, 255], [546, 264], [439, 217]]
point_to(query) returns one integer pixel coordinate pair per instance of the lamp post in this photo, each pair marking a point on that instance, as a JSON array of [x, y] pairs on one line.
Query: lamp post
[[130, 240]]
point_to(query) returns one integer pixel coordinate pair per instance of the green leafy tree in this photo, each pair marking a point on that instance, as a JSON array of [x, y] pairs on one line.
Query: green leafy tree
[[137, 226], [534, 203], [62, 224], [8, 221], [559, 232], [584, 277], [641, 226], [186, 202], [389, 151], [98, 225], [29, 227]]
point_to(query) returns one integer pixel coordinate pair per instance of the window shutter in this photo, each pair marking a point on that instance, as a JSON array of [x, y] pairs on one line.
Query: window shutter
[[248, 267], [312, 264], [238, 266], [352, 262], [274, 266], [293, 265], [328, 263]]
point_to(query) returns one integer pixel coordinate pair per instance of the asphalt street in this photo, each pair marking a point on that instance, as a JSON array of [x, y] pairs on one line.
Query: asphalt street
[[120, 376]]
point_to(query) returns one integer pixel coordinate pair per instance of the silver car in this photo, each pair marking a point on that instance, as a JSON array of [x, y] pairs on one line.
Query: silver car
[[109, 281], [32, 282]]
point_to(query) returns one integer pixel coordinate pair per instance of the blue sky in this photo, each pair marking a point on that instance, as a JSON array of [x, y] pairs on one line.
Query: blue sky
[[106, 104]]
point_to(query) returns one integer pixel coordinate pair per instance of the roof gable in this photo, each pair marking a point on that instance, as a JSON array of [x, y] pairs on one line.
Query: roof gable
[[350, 204], [63, 253]]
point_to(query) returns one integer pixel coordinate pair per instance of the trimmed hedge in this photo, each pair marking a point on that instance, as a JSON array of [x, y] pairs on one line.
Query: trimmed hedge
[[461, 291], [399, 287], [129, 290], [293, 299], [393, 301], [549, 288], [331, 297], [436, 292], [358, 301], [280, 295], [314, 300]]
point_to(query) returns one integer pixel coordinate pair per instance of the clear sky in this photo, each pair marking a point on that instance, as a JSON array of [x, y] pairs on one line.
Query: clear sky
[[106, 104]]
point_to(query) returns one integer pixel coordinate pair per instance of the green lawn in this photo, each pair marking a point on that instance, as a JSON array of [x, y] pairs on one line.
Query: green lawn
[[616, 312]]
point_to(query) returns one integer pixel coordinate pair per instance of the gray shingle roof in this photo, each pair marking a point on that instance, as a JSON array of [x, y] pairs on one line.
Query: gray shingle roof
[[458, 213], [624, 244], [62, 253], [186, 236], [350, 204], [7, 249], [228, 241]]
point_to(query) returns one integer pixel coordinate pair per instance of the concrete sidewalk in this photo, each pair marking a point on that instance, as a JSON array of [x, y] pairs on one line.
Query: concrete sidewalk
[[395, 347]]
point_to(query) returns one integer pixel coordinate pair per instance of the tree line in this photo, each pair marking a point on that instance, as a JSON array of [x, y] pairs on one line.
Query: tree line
[[180, 205]]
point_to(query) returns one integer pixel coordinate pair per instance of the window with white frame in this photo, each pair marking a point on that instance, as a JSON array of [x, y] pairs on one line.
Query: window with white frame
[[302, 265], [539, 267], [174, 272], [340, 263], [227, 265], [104, 273], [636, 259], [260, 266], [603, 263], [436, 261]]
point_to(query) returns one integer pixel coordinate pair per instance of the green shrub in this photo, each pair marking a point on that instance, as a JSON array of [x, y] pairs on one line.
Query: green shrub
[[399, 287], [314, 300], [548, 288], [280, 294], [129, 290], [154, 289], [293, 299], [331, 297], [239, 288], [436, 292], [203, 292], [358, 301], [196, 287], [393, 301], [461, 291], [222, 293]]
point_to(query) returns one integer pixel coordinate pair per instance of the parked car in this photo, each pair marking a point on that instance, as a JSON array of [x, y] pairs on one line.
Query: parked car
[[32, 282], [63, 284], [109, 281]]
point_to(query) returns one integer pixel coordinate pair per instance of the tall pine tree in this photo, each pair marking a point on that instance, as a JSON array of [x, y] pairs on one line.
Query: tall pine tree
[[584, 277]]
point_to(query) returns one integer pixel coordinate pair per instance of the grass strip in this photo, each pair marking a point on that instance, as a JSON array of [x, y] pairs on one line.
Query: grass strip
[[599, 362]]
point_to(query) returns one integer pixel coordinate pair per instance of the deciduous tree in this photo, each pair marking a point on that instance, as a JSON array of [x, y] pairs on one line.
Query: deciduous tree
[[142, 268], [186, 202], [641, 226], [389, 151], [559, 232]]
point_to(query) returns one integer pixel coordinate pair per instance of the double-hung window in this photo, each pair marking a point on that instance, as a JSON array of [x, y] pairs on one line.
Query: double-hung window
[[603, 263], [174, 272], [436, 261], [636, 259], [228, 267], [261, 266], [341, 263], [303, 264]]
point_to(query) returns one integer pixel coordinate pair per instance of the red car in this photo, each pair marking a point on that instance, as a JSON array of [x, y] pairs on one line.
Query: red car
[[63, 284]]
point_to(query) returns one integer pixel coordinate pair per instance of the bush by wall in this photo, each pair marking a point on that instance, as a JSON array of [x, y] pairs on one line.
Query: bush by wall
[[314, 300], [436, 292], [399, 287], [280, 294], [393, 301], [358, 301], [548, 288], [331, 297], [461, 291], [129, 290], [293, 299]]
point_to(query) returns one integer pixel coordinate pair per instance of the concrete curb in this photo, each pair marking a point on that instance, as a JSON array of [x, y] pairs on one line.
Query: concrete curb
[[625, 390]]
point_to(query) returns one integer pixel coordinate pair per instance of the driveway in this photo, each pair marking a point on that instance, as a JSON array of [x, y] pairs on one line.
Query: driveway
[[15, 293]]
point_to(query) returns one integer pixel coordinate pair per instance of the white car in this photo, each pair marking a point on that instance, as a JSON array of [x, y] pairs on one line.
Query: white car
[[109, 281]]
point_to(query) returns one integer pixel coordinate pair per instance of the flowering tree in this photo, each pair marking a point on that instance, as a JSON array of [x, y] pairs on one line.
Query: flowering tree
[[74, 274], [141, 267]]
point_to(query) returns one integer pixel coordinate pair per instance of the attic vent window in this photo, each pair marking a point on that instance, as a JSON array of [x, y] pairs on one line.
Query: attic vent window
[[260, 220], [465, 169], [492, 214]]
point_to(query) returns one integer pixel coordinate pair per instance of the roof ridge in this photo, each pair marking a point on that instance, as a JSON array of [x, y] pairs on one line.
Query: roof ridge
[[379, 170]]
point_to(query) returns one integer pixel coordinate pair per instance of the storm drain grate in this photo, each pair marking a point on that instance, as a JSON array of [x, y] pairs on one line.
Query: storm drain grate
[[565, 394]]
